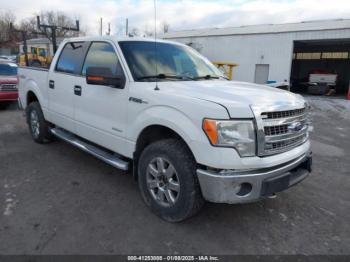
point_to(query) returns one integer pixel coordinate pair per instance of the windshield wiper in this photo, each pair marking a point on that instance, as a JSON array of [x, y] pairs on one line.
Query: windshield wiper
[[206, 77], [161, 76]]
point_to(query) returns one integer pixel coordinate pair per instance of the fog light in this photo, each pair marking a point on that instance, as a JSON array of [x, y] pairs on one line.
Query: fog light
[[246, 188]]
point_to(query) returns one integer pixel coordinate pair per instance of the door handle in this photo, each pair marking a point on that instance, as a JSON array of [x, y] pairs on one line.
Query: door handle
[[52, 84], [77, 90]]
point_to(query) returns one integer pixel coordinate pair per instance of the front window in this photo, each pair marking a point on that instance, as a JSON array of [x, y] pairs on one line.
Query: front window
[[8, 69], [165, 61], [102, 54]]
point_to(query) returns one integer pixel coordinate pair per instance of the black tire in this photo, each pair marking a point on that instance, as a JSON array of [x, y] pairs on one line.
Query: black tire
[[189, 199], [3, 105], [41, 133]]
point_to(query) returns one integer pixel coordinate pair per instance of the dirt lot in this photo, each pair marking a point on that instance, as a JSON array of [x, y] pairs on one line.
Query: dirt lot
[[55, 199]]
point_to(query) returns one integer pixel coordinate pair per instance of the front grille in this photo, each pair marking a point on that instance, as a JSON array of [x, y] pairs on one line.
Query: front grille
[[284, 130], [286, 144], [8, 87], [275, 130], [283, 114]]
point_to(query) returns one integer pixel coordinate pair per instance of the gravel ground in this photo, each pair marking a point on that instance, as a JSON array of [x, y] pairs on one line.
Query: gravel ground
[[55, 199]]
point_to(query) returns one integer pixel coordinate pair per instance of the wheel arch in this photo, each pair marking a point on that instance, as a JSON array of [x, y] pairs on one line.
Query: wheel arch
[[151, 134], [31, 97]]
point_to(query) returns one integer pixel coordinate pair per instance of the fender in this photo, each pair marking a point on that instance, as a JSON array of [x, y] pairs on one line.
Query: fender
[[166, 116], [31, 86]]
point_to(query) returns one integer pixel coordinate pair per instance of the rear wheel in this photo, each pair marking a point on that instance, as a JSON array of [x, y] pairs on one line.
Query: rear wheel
[[168, 182], [38, 126]]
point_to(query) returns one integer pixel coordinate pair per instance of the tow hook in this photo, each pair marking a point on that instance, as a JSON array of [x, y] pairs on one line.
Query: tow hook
[[272, 196]]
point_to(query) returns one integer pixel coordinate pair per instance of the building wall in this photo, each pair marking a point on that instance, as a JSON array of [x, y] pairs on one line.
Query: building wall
[[248, 50], [5, 51]]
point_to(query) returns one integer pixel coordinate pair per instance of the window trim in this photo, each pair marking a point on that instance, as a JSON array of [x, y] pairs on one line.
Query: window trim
[[81, 66], [115, 51]]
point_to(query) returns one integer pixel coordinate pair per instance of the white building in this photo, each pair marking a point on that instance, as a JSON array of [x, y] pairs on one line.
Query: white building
[[276, 52]]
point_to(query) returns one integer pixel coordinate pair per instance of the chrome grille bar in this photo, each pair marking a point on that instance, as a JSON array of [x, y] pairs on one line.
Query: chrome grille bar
[[280, 130], [8, 87]]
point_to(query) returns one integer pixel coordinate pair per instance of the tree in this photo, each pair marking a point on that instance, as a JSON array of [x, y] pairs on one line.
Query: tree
[[29, 25], [59, 19], [5, 20]]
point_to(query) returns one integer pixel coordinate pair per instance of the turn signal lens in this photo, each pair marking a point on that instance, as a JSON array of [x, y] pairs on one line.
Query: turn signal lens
[[95, 78], [209, 127]]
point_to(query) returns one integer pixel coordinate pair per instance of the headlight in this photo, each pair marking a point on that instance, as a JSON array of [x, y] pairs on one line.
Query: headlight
[[238, 134]]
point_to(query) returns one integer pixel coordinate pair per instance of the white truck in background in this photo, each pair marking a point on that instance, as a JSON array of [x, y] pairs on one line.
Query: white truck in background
[[164, 112], [321, 82]]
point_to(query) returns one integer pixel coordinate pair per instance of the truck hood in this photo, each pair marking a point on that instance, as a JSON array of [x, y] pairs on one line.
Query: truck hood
[[236, 97]]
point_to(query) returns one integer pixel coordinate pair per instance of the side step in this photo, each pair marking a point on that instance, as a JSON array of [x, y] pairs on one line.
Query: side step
[[96, 151]]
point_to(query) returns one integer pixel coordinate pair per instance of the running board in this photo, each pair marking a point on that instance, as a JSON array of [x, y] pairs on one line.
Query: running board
[[96, 151]]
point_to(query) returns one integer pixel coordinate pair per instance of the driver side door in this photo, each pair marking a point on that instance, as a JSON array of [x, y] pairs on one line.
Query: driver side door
[[101, 111]]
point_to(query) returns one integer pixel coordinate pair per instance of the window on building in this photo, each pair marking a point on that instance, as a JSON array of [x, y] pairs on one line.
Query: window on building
[[335, 55], [304, 56], [321, 55]]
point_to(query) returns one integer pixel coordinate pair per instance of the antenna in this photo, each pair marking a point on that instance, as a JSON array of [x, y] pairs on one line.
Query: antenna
[[155, 42]]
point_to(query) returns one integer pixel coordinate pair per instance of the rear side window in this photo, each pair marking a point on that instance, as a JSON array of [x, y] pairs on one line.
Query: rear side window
[[71, 58], [102, 54]]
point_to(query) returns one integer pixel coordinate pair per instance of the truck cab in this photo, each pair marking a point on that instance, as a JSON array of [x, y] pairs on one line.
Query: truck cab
[[167, 114]]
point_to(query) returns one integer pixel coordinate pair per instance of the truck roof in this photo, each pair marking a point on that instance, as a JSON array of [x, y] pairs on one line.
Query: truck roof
[[116, 39]]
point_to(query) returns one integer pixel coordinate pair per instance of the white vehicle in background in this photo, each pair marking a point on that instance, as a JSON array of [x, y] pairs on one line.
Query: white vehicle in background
[[320, 82], [280, 85], [164, 112]]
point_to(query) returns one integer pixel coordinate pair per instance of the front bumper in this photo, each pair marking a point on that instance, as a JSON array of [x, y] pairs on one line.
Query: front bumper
[[247, 186], [8, 96]]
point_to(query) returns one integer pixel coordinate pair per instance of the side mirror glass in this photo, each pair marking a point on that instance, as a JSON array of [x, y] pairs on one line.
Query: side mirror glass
[[103, 76]]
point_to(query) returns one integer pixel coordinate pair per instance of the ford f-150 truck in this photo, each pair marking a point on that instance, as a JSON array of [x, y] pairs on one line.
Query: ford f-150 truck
[[164, 112]]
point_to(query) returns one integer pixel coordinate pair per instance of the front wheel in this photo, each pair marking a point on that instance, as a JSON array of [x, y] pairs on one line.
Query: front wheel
[[167, 180]]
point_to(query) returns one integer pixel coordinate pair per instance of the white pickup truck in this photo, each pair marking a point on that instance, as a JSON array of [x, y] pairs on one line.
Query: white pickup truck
[[164, 112]]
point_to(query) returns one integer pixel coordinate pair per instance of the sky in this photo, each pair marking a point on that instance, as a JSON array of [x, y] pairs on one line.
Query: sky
[[181, 14]]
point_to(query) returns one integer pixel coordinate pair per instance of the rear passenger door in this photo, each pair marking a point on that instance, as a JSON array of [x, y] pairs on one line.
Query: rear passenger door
[[62, 79]]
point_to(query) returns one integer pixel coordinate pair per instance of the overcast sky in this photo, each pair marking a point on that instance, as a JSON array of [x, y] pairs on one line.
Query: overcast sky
[[183, 14]]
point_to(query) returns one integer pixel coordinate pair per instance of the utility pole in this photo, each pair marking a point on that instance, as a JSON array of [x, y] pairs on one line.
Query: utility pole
[[109, 29], [53, 29], [101, 26], [127, 27]]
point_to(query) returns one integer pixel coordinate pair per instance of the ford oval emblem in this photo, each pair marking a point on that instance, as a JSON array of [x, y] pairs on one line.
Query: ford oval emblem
[[296, 126]]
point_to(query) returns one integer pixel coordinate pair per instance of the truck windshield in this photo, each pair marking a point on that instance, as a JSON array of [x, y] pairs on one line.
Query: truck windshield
[[8, 69], [150, 61]]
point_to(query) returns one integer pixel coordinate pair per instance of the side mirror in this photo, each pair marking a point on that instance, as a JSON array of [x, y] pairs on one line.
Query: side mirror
[[103, 76]]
